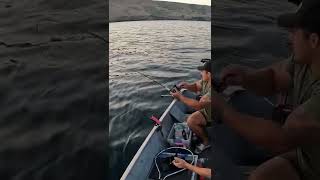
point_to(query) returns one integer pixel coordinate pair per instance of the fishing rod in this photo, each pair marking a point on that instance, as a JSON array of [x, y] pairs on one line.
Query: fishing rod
[[166, 95], [148, 78], [170, 90], [179, 155], [154, 81]]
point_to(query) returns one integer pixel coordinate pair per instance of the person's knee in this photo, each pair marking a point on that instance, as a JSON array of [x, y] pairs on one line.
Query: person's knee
[[191, 122], [276, 168], [262, 171]]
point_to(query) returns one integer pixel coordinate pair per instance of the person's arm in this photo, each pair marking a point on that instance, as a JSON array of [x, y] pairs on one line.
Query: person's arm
[[195, 87], [180, 163], [265, 82], [269, 80], [197, 105], [300, 128], [206, 172]]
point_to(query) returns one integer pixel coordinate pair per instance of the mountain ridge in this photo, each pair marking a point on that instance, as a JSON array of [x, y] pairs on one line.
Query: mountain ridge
[[137, 10]]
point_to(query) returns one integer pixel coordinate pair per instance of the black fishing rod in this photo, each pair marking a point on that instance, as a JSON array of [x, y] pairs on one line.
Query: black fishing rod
[[175, 87], [148, 78], [154, 81]]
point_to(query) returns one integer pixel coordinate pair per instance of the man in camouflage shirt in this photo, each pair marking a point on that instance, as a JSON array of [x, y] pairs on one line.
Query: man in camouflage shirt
[[296, 141]]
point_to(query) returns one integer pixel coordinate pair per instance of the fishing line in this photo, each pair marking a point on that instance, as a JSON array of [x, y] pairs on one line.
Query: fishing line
[[98, 36], [146, 77], [269, 102]]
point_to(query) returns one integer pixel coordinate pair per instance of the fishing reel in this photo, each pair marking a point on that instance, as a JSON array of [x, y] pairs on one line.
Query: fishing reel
[[175, 88]]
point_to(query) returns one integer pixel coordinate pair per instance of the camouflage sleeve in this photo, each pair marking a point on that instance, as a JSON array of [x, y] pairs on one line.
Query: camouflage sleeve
[[209, 93], [207, 96], [201, 82]]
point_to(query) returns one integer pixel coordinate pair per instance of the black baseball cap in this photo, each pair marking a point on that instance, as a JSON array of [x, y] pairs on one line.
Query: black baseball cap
[[297, 2], [206, 66], [307, 16]]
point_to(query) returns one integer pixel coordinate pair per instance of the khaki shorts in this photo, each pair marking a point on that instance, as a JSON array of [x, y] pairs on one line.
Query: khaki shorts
[[206, 117]]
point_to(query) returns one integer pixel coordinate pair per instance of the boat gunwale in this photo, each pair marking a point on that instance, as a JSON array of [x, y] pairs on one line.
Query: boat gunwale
[[144, 144]]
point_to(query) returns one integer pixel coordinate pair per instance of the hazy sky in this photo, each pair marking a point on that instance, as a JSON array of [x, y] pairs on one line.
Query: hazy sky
[[202, 2]]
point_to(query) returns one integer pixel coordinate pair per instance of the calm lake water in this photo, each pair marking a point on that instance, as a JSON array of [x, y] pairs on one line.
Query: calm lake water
[[167, 51]]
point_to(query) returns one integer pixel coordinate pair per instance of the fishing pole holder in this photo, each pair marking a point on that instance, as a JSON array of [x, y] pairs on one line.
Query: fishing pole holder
[[157, 123]]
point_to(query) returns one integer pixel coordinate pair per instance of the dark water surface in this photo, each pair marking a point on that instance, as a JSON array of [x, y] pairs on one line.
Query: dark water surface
[[53, 90], [245, 33], [167, 51]]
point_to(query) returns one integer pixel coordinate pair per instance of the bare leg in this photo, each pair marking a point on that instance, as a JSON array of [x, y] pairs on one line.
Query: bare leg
[[196, 122], [277, 168]]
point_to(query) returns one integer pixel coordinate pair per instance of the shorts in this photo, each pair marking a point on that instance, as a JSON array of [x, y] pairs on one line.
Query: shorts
[[206, 117]]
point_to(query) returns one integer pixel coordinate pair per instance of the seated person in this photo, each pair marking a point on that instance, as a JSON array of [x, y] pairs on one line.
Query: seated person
[[202, 117], [295, 141]]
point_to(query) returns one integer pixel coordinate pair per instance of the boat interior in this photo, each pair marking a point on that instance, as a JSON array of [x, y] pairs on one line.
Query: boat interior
[[230, 155]]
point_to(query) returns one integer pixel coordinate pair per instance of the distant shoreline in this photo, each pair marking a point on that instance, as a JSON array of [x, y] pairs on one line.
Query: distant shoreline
[[158, 10]]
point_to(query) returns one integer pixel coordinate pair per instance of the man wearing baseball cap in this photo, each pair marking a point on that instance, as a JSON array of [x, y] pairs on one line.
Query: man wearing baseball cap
[[202, 117], [295, 139]]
